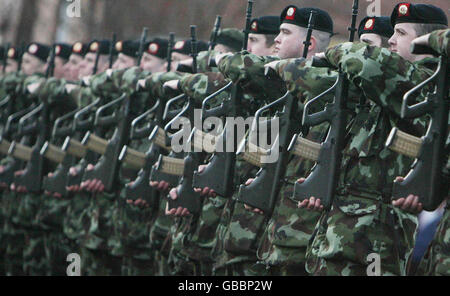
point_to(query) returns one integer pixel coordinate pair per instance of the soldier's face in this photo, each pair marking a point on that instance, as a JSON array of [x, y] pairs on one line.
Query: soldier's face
[[123, 62], [371, 39], [400, 42], [176, 58], [58, 71], [289, 43], [72, 67], [257, 44], [152, 63], [11, 66], [221, 48], [32, 65], [87, 66]]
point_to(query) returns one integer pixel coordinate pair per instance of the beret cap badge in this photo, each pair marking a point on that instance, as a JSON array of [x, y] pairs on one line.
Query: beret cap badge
[[369, 24], [33, 49], [57, 49], [153, 48], [403, 9], [94, 47], [179, 45], [254, 26], [290, 13], [11, 53], [119, 46], [77, 47]]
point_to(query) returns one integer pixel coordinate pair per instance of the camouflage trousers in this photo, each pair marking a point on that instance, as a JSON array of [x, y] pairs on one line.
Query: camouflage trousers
[[137, 267], [349, 238], [242, 269], [437, 259], [34, 254], [57, 247], [160, 241], [12, 236], [13, 256], [99, 263]]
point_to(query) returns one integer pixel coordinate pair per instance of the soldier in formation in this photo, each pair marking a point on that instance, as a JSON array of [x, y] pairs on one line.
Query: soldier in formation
[[90, 162]]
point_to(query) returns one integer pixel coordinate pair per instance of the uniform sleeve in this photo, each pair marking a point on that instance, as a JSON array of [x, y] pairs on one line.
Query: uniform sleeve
[[439, 41], [303, 80], [199, 86], [248, 70], [384, 77]]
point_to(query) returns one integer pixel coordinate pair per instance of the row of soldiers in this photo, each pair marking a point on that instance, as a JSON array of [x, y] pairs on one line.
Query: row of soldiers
[[90, 167]]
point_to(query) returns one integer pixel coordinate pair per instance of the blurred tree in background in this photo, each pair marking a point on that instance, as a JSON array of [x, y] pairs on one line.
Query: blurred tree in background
[[47, 20]]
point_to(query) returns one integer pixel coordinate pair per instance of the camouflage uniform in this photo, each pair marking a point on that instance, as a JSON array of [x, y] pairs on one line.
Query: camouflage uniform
[[97, 217], [51, 211], [437, 259], [191, 236], [27, 240], [284, 243], [11, 84], [238, 231], [131, 224], [159, 241], [362, 220]]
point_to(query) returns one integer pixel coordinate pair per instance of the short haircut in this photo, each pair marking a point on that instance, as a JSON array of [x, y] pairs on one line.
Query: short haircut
[[270, 39], [422, 29], [323, 40], [384, 41]]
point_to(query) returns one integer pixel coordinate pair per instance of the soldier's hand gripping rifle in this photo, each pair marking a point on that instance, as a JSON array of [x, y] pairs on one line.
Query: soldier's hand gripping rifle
[[107, 168], [323, 179], [425, 177], [219, 173], [58, 181]]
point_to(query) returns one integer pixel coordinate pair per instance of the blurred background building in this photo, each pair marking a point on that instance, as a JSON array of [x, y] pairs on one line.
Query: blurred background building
[[48, 20]]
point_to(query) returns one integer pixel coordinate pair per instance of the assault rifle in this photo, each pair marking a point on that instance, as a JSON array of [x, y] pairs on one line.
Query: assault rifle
[[323, 179], [107, 168], [425, 177], [219, 174], [36, 121]]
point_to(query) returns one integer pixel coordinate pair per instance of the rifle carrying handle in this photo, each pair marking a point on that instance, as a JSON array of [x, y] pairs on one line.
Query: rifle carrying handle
[[423, 49], [321, 63]]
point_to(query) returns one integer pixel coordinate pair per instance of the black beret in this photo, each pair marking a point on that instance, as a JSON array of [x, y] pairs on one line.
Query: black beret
[[265, 25], [63, 50], [13, 53], [300, 17], [101, 46], [128, 47], [157, 47], [39, 50], [380, 25], [80, 48], [184, 46], [233, 38], [418, 13]]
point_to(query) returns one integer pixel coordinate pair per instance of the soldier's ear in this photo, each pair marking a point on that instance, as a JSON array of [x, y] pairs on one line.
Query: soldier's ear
[[313, 46]]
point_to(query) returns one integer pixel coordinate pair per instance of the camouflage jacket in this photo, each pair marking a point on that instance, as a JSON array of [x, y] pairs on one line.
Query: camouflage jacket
[[383, 77], [439, 41], [248, 70]]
